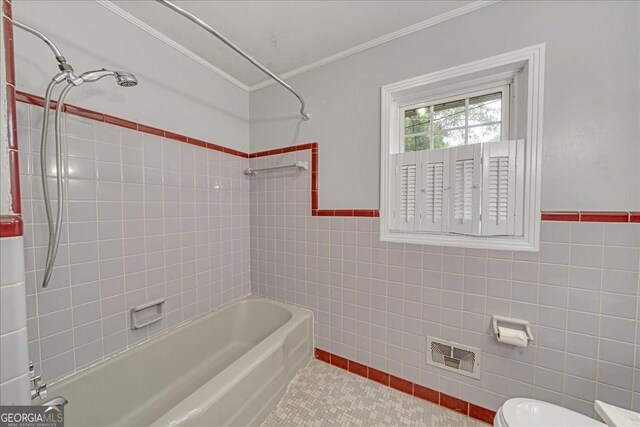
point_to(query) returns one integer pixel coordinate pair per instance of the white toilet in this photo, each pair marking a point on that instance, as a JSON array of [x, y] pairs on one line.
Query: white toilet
[[521, 412]]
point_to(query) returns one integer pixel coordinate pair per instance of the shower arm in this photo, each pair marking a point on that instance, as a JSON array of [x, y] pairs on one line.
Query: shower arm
[[208, 28], [62, 62]]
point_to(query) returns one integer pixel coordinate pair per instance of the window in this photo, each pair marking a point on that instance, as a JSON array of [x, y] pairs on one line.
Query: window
[[460, 159], [481, 117]]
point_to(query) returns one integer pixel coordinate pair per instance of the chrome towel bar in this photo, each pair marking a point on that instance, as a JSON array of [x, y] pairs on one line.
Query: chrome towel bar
[[299, 165]]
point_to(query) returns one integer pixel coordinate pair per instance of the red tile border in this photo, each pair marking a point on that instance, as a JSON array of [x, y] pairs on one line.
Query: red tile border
[[433, 396], [604, 216], [592, 216], [197, 142], [426, 394], [379, 376], [12, 124], [128, 124], [81, 112], [14, 170], [9, 58], [120, 122], [480, 413], [325, 356], [340, 362], [569, 216], [151, 130], [560, 216], [10, 226], [315, 211], [454, 403], [175, 136], [401, 385], [358, 369]]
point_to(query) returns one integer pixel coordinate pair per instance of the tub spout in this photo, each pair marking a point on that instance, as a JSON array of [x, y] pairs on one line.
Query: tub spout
[[56, 401]]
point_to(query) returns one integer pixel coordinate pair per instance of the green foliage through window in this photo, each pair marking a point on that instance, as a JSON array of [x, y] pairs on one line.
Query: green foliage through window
[[451, 124]]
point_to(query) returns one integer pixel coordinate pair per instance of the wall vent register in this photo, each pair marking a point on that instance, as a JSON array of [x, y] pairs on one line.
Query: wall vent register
[[453, 357]]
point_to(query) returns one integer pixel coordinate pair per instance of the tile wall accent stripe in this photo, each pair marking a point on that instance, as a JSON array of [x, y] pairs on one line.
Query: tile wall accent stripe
[[128, 124], [408, 387], [591, 216], [604, 216], [11, 225], [573, 216], [560, 216], [8, 43], [315, 211]]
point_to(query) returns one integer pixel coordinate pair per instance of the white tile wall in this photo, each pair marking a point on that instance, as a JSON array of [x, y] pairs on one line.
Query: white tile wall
[[145, 218], [14, 361], [374, 302]]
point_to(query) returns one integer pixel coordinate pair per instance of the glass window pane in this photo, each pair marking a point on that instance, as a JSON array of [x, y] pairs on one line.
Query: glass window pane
[[416, 121], [450, 138], [485, 109], [448, 115], [489, 133], [416, 143]]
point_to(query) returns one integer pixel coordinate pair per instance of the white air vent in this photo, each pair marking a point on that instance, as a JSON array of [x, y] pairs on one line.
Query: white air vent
[[453, 357]]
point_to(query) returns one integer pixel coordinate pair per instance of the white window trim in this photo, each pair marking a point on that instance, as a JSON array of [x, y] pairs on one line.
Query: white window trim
[[392, 95]]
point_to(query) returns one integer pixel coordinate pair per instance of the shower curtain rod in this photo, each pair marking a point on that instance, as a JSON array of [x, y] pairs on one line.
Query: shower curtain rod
[[208, 28]]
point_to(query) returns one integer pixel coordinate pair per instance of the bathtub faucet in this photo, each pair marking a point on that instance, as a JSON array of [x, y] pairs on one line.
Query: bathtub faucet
[[38, 388]]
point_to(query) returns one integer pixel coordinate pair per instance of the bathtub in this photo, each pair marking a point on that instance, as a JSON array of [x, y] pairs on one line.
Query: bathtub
[[228, 368]]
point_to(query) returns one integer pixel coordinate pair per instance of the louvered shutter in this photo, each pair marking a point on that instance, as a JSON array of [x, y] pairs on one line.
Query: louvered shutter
[[499, 187], [435, 180], [405, 183], [464, 197]]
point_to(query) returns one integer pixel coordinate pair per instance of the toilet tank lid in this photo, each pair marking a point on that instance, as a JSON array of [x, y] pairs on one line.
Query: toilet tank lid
[[523, 412], [615, 416]]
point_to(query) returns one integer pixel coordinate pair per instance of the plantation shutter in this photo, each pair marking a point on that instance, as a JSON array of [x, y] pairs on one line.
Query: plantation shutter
[[464, 199], [435, 180], [500, 184], [405, 183]]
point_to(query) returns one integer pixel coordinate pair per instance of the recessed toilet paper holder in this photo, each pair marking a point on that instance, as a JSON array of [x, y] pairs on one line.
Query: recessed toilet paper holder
[[511, 322]]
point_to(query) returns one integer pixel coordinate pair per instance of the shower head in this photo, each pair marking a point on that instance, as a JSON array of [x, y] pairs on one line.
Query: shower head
[[124, 79]]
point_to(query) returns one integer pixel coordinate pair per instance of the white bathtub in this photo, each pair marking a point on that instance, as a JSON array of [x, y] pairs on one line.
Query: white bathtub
[[229, 368]]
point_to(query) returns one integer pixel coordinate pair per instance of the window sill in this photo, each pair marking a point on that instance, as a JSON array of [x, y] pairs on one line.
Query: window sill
[[461, 241]]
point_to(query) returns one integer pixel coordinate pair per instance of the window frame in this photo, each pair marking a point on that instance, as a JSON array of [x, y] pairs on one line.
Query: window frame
[[461, 78]]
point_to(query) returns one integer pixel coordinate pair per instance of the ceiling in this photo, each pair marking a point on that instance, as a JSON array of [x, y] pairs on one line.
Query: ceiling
[[282, 35]]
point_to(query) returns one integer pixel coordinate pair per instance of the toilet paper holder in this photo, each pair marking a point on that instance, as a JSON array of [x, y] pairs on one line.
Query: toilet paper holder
[[510, 321]]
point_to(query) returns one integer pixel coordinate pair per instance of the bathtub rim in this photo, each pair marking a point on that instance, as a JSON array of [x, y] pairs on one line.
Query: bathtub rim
[[208, 393], [52, 386]]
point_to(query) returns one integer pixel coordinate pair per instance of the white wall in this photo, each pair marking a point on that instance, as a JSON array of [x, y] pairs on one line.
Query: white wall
[[591, 150], [175, 93]]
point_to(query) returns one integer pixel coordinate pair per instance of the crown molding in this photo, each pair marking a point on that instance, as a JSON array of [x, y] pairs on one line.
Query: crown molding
[[170, 42], [329, 59], [381, 40]]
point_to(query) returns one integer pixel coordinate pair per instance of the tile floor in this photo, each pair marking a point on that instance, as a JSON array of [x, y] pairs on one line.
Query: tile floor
[[323, 395]]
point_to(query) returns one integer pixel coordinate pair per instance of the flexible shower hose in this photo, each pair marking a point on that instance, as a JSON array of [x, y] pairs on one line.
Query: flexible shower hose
[[54, 229]]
